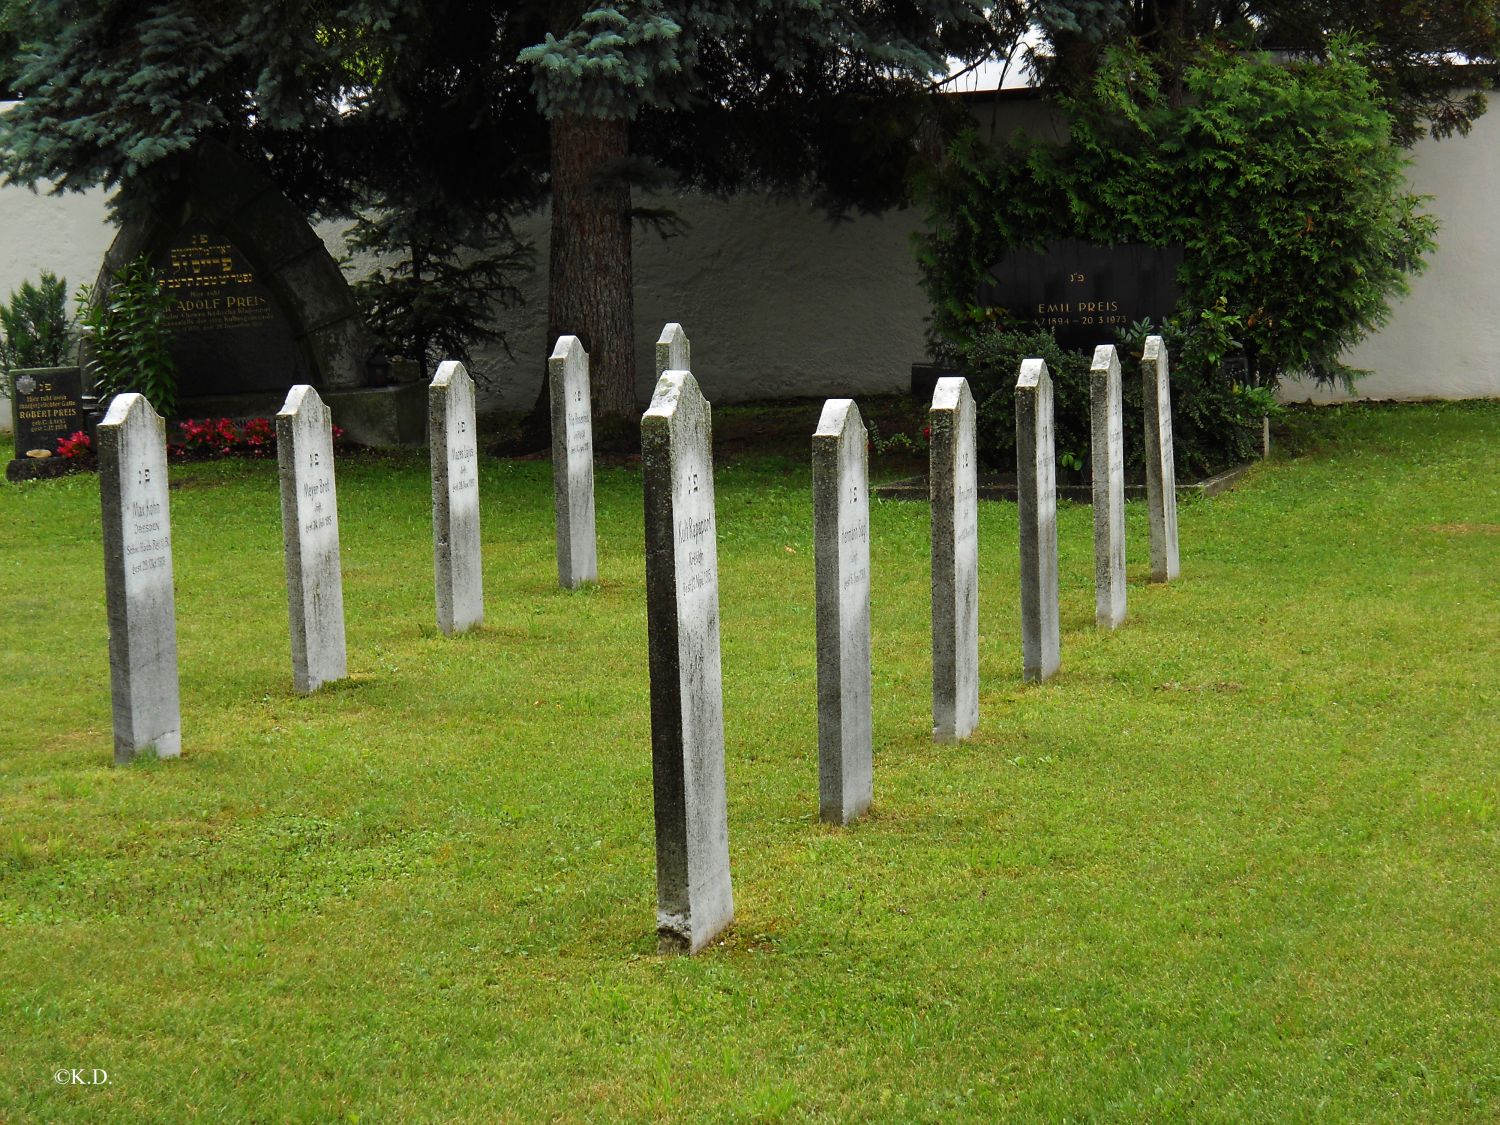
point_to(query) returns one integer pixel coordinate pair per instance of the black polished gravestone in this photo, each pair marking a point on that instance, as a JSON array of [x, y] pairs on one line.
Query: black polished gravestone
[[229, 333], [1082, 291], [48, 405]]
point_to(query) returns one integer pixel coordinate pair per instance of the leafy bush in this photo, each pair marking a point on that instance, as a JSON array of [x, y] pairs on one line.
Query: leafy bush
[[127, 330], [1280, 181], [35, 329]]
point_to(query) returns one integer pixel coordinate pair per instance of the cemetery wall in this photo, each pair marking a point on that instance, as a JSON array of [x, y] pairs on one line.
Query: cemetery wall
[[786, 303]]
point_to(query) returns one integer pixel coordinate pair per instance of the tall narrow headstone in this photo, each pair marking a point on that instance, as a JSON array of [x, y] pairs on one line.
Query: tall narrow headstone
[[1161, 469], [953, 476], [310, 531], [841, 548], [694, 900], [138, 580], [455, 499], [572, 463], [673, 352], [1109, 487], [1036, 484]]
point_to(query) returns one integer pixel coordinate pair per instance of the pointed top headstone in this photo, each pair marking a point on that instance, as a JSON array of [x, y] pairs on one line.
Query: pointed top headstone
[[1161, 469], [572, 463], [454, 445], [1107, 460], [1036, 493], [953, 484], [673, 352]]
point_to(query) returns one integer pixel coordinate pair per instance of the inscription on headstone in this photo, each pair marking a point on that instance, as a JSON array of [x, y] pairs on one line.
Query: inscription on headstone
[[953, 477], [46, 405], [310, 530], [455, 499], [673, 351], [228, 331], [572, 463], [1109, 487], [138, 580], [1079, 288], [1036, 484], [1161, 469], [841, 547], [694, 900]]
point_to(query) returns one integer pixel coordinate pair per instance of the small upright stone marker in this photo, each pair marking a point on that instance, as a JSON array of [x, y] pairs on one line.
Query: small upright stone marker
[[1161, 469], [841, 545], [138, 580], [572, 463], [310, 530], [1036, 483], [694, 900], [673, 352], [953, 487], [455, 499], [1109, 488]]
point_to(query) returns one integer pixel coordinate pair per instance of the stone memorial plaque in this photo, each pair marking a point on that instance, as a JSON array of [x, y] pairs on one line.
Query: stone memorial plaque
[[1108, 459], [46, 405], [841, 547], [572, 463], [1084, 291], [673, 351], [454, 443], [1161, 468], [310, 530], [1036, 482], [953, 482], [229, 333], [138, 580], [694, 900]]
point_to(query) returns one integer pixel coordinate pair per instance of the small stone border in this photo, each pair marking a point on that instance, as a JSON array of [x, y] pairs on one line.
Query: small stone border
[[1002, 486]]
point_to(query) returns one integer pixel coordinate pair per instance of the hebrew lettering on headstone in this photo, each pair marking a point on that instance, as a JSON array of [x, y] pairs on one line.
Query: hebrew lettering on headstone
[[673, 352], [841, 548], [138, 594], [694, 900], [1108, 460], [1161, 469], [310, 532], [1036, 484], [451, 435], [572, 463], [953, 474]]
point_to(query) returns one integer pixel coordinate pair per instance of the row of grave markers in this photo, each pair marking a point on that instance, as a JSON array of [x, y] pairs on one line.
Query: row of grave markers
[[694, 894]]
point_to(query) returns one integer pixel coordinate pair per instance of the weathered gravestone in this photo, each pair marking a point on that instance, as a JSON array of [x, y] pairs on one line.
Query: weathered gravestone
[[841, 546], [954, 492], [310, 530], [138, 580], [46, 405], [1036, 481], [572, 463], [673, 351], [694, 900], [1161, 469], [1108, 459], [455, 499]]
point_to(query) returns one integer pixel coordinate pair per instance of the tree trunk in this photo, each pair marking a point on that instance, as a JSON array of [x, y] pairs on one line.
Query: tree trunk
[[590, 285]]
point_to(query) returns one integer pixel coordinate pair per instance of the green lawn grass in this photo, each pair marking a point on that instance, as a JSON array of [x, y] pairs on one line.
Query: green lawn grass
[[1237, 862]]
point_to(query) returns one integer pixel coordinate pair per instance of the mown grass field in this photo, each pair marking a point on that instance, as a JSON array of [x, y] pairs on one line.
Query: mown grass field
[[1240, 861]]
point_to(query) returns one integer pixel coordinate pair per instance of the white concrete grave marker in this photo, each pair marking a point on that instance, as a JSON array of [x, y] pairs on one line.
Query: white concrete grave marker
[[310, 531], [953, 475], [1036, 483], [1161, 469], [572, 463], [841, 546], [673, 351], [454, 443], [694, 900], [1108, 460], [139, 600]]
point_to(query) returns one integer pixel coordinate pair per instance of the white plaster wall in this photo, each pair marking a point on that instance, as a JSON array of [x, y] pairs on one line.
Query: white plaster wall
[[1443, 339]]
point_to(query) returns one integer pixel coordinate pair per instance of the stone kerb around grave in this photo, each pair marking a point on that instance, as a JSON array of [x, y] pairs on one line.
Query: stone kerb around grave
[[693, 894], [1036, 480], [673, 351], [454, 443], [139, 600], [1161, 469], [841, 546], [310, 530], [953, 476], [1108, 462], [572, 463]]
